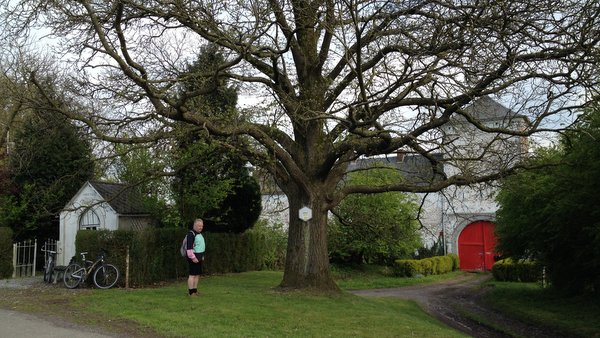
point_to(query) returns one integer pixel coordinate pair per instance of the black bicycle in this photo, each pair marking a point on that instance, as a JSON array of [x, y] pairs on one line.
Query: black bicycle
[[104, 275], [49, 265]]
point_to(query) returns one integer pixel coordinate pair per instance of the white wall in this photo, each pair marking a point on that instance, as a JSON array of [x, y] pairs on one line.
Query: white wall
[[430, 217], [448, 211], [275, 209]]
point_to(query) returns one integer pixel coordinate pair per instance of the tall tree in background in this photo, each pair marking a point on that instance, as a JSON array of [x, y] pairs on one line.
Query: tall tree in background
[[141, 168], [551, 215], [10, 104], [12, 209], [50, 161], [329, 81], [212, 180], [45, 157]]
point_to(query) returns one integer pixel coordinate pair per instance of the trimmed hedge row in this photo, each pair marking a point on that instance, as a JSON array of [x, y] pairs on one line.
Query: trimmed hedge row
[[154, 253], [6, 252], [427, 266], [507, 270]]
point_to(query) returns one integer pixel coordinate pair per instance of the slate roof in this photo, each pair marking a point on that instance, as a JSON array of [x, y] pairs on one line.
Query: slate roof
[[418, 169], [122, 198], [415, 168], [487, 109]]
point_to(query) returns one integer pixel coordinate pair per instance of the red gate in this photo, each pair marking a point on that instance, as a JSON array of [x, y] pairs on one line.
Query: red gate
[[476, 246]]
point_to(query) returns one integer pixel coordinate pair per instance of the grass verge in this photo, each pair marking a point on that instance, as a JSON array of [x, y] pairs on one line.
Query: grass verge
[[572, 315]]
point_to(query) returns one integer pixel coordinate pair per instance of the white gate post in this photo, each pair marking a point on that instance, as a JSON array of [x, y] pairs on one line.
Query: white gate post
[[34, 257], [14, 260], [59, 253]]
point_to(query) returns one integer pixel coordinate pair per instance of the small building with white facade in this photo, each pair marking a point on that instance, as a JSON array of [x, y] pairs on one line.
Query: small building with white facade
[[100, 205]]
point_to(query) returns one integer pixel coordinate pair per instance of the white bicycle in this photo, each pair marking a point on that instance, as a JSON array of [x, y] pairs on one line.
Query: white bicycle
[[104, 275]]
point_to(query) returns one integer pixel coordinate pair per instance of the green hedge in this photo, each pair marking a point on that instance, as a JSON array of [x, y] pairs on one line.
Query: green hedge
[[6, 252], [428, 266], [507, 270], [455, 261], [154, 253], [406, 267]]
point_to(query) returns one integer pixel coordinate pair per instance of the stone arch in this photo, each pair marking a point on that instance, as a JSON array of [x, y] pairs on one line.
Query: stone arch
[[482, 220]]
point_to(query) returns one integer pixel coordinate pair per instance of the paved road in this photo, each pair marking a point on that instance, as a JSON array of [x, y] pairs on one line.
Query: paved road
[[16, 325]]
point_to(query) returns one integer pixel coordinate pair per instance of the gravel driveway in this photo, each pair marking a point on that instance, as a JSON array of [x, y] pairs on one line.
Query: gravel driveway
[[448, 301]]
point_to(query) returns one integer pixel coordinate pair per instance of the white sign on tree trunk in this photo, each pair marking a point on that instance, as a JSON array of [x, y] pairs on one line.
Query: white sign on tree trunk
[[305, 213]]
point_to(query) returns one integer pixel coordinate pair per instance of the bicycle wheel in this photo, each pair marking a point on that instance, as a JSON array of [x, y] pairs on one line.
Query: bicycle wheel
[[106, 276], [48, 270], [73, 276]]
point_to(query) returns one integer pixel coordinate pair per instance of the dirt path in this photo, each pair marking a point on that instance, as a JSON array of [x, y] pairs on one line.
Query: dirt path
[[457, 301]]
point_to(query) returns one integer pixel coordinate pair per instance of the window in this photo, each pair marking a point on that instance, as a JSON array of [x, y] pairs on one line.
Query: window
[[89, 220]]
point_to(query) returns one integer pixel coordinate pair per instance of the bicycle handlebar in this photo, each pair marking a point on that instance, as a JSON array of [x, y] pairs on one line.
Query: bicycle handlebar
[[101, 256]]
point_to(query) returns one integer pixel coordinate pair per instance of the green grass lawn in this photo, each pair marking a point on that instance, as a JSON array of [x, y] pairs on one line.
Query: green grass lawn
[[249, 305], [573, 315]]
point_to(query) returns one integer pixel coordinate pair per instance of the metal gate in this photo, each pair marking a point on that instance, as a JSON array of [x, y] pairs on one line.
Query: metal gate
[[24, 258]]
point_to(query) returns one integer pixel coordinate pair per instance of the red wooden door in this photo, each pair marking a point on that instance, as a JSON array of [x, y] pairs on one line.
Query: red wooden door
[[476, 246]]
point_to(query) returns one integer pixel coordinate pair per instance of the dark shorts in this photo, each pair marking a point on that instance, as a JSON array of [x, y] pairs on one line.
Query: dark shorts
[[196, 268]]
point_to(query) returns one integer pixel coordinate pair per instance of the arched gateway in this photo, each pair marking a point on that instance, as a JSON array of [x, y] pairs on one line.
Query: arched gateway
[[476, 244]]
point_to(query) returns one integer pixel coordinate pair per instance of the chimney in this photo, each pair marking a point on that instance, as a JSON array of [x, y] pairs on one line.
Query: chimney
[[400, 155]]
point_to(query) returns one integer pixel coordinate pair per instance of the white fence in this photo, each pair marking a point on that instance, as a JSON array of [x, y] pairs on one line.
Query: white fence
[[24, 258]]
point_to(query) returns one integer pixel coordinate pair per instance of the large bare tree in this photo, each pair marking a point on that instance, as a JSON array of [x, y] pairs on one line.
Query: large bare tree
[[329, 81]]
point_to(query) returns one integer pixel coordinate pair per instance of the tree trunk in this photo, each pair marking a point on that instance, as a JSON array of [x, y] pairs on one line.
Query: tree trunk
[[307, 260]]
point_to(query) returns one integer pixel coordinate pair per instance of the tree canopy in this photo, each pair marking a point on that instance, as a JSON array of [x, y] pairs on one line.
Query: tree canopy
[[207, 179], [211, 180], [49, 162], [327, 82], [45, 156], [551, 214], [376, 228]]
